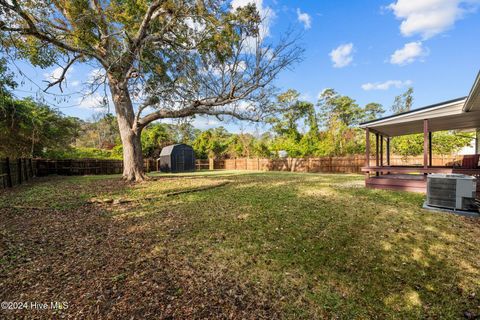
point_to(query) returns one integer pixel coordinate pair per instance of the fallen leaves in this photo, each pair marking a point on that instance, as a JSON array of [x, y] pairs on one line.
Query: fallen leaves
[[262, 247], [101, 266]]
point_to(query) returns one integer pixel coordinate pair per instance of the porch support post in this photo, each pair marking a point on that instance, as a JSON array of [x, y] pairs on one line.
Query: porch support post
[[376, 153], [425, 143], [430, 148], [388, 151], [477, 141], [367, 148], [381, 151]]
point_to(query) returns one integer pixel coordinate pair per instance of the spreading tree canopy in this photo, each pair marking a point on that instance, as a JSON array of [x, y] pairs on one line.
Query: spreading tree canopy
[[160, 58]]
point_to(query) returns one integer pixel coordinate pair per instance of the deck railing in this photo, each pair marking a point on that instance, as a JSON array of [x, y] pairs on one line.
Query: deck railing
[[413, 178]]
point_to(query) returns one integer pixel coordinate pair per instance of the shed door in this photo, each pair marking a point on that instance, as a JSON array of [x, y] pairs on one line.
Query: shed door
[[181, 160]]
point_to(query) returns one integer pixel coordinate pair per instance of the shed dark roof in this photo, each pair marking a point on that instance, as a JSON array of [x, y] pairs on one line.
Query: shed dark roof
[[166, 151]]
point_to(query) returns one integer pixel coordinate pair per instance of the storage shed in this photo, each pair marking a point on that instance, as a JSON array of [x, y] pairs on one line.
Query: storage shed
[[177, 158]]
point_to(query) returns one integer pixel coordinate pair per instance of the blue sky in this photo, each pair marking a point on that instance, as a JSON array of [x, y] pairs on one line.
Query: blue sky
[[368, 50]]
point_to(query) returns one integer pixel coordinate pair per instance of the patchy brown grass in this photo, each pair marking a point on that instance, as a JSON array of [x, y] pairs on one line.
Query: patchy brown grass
[[267, 245], [106, 266]]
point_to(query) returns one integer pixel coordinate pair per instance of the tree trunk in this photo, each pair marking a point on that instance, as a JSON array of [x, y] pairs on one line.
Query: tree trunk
[[129, 132], [132, 154]]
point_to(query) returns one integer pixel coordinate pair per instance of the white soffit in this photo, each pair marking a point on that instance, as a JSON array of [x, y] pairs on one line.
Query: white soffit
[[473, 100], [448, 116], [458, 114], [438, 111]]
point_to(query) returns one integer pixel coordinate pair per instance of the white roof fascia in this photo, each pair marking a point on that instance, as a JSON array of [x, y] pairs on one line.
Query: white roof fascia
[[407, 115], [473, 96]]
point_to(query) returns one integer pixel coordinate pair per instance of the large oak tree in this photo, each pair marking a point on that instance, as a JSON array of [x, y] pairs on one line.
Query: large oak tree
[[160, 58]]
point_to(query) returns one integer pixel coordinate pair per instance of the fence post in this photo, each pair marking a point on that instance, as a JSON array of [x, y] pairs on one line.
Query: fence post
[[25, 168], [8, 173], [19, 171], [211, 164], [31, 167]]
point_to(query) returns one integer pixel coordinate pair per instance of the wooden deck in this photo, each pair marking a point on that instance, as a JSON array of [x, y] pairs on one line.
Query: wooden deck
[[413, 179], [402, 182]]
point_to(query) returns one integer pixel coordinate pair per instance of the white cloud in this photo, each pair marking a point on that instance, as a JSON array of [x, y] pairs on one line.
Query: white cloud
[[304, 18], [138, 93], [320, 94], [244, 106], [386, 85], [429, 17], [305, 96], [205, 122], [342, 56], [267, 15], [56, 73], [94, 101], [409, 53], [197, 26], [324, 91], [242, 66], [96, 75]]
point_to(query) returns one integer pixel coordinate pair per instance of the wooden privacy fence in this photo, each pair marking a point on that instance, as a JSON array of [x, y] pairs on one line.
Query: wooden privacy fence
[[437, 161], [209, 164], [202, 164], [45, 167], [15, 171], [348, 164], [325, 164], [72, 167]]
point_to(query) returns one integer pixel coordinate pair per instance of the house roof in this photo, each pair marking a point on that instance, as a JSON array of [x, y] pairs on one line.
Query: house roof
[[460, 113], [473, 100]]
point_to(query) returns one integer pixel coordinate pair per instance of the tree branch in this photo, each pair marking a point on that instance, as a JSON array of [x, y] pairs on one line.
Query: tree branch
[[62, 75], [32, 30], [196, 107], [101, 24], [142, 30]]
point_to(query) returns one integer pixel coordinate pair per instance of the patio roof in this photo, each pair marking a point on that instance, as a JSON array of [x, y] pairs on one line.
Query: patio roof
[[461, 113]]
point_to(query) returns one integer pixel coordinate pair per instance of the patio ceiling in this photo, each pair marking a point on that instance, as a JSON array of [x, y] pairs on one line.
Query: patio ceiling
[[445, 116], [461, 113]]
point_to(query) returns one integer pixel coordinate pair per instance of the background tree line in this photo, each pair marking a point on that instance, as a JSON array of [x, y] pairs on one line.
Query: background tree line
[[299, 129]]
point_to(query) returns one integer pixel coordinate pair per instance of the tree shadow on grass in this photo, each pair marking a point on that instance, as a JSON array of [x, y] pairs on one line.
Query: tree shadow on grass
[[108, 267], [349, 252], [308, 245]]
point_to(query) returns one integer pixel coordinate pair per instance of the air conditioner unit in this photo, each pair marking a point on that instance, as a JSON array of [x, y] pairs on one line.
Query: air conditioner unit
[[452, 191]]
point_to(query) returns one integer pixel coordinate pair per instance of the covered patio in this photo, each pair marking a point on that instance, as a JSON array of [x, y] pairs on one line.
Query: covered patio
[[459, 114]]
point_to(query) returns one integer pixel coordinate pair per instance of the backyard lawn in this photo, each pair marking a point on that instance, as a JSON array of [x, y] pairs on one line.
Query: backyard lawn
[[264, 245]]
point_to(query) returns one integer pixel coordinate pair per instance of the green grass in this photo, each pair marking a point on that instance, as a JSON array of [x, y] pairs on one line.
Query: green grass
[[317, 245]]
